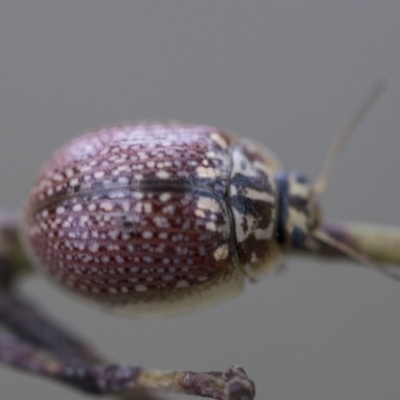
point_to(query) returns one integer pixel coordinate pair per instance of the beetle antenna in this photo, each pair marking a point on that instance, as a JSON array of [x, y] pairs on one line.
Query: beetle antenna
[[376, 90], [361, 258]]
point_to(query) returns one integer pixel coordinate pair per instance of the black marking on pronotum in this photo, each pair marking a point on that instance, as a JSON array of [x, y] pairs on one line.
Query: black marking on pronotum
[[251, 245], [243, 182], [260, 210]]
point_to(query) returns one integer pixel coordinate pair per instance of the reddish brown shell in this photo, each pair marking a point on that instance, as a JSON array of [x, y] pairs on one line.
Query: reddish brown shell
[[137, 213]]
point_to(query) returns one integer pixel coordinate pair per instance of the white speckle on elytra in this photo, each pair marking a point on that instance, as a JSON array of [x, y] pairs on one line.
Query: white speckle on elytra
[[98, 174], [204, 172], [74, 182], [221, 253], [123, 180], [119, 259], [106, 205], [85, 168], [161, 222], [116, 194], [210, 226], [94, 247], [87, 259], [165, 197], [77, 207], [92, 207], [60, 210], [126, 206], [151, 164], [138, 195], [163, 174], [148, 208], [105, 259], [140, 288], [200, 213], [124, 289], [147, 234], [83, 219], [207, 203], [113, 235], [112, 290], [169, 209], [58, 177]]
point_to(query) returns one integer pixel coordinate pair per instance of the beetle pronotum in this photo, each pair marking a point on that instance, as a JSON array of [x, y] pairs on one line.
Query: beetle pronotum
[[162, 218]]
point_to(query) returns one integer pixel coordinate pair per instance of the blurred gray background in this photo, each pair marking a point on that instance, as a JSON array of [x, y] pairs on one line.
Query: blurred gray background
[[288, 73]]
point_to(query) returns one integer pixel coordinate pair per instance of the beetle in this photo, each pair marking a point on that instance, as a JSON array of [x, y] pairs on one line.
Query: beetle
[[158, 219], [133, 214]]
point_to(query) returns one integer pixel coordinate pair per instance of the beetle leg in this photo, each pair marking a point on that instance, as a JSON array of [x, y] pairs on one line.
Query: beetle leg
[[105, 379], [28, 324], [37, 345], [98, 378]]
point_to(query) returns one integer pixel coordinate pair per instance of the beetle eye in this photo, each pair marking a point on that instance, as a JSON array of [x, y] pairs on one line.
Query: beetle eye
[[300, 177]]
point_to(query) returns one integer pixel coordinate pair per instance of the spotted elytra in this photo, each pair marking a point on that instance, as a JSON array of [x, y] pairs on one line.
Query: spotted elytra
[[162, 218], [158, 215]]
